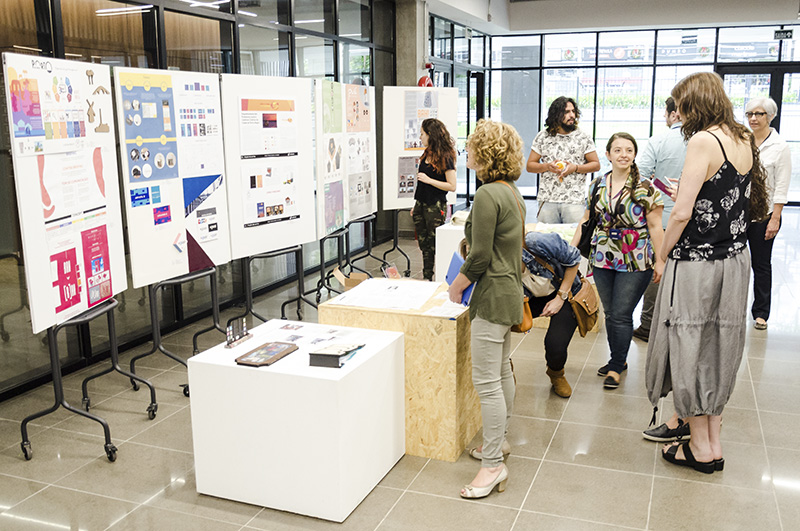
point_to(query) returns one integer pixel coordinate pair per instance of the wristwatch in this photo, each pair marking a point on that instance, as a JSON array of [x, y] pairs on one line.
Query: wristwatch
[[563, 294]]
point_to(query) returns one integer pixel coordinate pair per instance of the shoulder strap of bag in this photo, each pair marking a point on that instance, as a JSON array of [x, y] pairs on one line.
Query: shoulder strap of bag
[[520, 215]]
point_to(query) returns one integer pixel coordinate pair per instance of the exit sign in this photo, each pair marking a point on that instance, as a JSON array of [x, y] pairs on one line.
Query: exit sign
[[781, 35]]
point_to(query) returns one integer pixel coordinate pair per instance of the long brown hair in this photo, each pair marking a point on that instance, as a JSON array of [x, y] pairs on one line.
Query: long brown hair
[[441, 149], [703, 103], [634, 171]]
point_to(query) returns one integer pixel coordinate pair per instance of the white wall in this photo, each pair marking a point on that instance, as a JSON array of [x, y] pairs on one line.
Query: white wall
[[474, 13]]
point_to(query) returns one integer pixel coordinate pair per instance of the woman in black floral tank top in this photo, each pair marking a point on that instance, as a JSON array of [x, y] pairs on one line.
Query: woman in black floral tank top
[[700, 318]]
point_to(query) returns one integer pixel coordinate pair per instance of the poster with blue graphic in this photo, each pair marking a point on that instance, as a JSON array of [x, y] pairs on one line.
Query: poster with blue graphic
[[175, 172]]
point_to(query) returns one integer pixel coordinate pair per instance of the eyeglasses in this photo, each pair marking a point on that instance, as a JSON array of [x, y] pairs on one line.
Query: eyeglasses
[[756, 114]]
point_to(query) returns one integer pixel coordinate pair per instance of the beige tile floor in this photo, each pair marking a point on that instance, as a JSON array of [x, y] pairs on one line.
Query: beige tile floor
[[577, 464]]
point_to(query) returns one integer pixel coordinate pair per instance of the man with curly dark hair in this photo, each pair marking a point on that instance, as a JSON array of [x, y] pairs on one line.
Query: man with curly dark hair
[[563, 155]]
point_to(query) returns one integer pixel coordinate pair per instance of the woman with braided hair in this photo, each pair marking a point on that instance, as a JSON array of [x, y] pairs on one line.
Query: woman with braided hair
[[623, 258]]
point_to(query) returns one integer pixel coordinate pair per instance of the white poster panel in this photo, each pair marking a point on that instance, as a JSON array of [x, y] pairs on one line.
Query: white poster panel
[[268, 151], [404, 109], [346, 159], [173, 172], [63, 147]]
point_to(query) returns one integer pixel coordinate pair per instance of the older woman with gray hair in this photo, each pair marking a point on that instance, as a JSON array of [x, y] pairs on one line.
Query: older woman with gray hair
[[777, 160]]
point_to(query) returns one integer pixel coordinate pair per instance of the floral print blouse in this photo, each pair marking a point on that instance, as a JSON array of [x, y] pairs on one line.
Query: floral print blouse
[[621, 240]]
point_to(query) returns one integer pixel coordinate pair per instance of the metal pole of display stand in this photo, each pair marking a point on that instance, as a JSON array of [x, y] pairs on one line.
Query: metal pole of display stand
[[246, 263], [23, 298], [395, 243], [325, 276], [368, 222], [107, 308], [155, 323]]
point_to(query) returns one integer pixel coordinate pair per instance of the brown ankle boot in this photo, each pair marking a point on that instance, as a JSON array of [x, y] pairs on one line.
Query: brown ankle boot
[[560, 384]]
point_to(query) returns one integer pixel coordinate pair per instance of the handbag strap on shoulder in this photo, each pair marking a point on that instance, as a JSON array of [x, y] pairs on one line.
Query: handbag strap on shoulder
[[522, 218]]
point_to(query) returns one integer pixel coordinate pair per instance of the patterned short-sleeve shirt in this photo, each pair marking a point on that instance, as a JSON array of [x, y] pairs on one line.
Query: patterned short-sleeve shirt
[[571, 147], [621, 240]]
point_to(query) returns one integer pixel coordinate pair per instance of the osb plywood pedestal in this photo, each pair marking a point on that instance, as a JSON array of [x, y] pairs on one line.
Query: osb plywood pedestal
[[443, 412]]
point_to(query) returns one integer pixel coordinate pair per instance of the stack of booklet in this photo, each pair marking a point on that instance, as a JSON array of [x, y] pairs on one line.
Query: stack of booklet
[[333, 355]]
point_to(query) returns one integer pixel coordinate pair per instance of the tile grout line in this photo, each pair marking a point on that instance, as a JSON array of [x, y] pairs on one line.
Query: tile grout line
[[764, 441], [544, 454], [385, 516]]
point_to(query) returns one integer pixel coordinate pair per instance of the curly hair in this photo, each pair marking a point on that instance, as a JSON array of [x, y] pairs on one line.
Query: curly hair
[[497, 148], [556, 112], [703, 103], [441, 149], [634, 172]]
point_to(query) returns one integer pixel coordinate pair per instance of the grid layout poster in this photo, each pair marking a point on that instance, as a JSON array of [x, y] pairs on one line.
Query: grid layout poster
[[268, 154], [346, 174], [65, 165], [173, 172]]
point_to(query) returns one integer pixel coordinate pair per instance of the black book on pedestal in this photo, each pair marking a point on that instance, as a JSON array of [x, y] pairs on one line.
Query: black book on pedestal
[[333, 355]]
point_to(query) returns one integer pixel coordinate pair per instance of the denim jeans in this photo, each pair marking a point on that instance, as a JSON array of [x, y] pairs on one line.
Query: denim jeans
[[620, 292], [494, 382], [550, 212]]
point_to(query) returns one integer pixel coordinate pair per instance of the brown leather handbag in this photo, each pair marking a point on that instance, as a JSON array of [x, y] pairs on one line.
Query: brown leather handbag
[[584, 303]]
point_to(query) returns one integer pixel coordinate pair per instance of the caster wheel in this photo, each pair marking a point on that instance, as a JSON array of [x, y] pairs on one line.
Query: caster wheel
[[300, 315], [111, 452], [87, 403], [121, 308], [5, 336], [185, 390], [141, 302], [27, 451], [134, 384], [408, 272], [195, 352], [319, 297], [151, 411]]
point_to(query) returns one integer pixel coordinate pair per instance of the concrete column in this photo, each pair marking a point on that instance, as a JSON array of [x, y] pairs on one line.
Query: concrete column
[[412, 41]]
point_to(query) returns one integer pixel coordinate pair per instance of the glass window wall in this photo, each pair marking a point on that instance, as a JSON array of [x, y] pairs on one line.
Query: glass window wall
[[790, 128], [738, 45], [686, 46], [570, 49], [264, 51], [314, 57], [354, 19], [20, 26], [626, 47], [112, 33], [354, 64], [198, 44], [516, 52], [315, 15], [269, 11], [477, 52], [442, 33]]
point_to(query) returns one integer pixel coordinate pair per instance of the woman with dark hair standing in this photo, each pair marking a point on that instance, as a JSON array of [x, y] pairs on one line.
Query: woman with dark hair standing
[[777, 160], [622, 258], [436, 176], [700, 317], [494, 231]]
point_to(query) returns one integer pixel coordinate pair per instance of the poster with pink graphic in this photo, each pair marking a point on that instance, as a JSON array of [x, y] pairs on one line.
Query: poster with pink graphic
[[95, 263], [63, 147]]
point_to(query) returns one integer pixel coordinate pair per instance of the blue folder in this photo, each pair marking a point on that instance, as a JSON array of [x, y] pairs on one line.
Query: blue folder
[[452, 272]]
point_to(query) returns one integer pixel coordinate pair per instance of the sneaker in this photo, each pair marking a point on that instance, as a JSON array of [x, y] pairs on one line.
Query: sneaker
[[641, 334], [610, 382], [664, 434], [603, 371]]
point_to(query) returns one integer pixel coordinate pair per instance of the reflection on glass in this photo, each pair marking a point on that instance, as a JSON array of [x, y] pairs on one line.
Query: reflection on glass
[[666, 78], [515, 100], [354, 64], [90, 24], [383, 18], [18, 29], [264, 51], [790, 128], [441, 38], [271, 11], [626, 47], [738, 45], [742, 88], [516, 51], [314, 57], [316, 15], [198, 44], [686, 46], [576, 83], [460, 44], [220, 6], [461, 82], [791, 47], [570, 49], [623, 104], [354, 19], [477, 52]]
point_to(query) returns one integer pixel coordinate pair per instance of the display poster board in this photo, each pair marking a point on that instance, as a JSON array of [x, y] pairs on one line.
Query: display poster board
[[267, 122], [63, 146], [404, 109], [346, 176], [173, 172]]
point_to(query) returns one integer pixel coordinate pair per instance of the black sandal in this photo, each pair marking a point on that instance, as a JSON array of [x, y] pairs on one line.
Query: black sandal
[[688, 460]]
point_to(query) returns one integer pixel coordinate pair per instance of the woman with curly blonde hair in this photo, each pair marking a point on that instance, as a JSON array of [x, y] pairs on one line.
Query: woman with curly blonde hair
[[494, 231]]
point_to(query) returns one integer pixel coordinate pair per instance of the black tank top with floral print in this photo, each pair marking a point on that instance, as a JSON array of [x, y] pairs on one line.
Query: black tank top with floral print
[[718, 226]]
